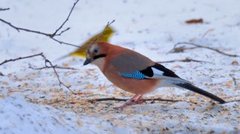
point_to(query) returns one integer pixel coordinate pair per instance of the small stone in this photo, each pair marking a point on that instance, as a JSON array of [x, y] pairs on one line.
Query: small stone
[[235, 62], [1, 74]]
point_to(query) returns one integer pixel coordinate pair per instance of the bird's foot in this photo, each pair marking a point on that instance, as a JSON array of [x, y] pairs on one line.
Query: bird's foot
[[137, 99]]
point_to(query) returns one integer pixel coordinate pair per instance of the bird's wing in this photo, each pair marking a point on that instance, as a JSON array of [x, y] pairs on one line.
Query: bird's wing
[[156, 71], [130, 64], [128, 61]]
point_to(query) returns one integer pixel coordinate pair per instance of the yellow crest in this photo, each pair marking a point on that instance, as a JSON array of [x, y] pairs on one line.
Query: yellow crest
[[103, 36]]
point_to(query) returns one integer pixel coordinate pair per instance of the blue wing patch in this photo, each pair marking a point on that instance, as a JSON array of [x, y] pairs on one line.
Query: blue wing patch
[[135, 75], [155, 71]]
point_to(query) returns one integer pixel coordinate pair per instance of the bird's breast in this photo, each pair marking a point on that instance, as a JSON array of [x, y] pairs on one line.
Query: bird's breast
[[99, 63], [136, 86]]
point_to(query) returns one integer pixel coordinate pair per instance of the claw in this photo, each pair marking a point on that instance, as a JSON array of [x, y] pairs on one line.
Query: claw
[[136, 99]]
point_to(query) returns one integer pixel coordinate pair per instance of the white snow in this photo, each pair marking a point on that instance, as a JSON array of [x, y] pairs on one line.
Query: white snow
[[31, 101]]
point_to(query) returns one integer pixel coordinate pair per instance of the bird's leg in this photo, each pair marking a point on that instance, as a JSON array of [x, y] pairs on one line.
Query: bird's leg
[[136, 99], [139, 100]]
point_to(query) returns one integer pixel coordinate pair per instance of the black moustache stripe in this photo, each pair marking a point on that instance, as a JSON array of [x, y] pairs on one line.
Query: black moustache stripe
[[99, 56]]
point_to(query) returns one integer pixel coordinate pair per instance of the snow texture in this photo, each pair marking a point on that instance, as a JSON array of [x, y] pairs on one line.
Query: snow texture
[[31, 101]]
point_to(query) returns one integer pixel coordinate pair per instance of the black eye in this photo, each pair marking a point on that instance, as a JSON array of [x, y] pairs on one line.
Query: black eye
[[95, 50]]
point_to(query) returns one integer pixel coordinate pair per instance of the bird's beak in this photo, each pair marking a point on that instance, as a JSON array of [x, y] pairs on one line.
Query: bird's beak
[[87, 61]]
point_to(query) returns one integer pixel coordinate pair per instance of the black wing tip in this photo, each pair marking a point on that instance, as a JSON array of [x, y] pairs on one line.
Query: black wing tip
[[167, 72], [148, 72]]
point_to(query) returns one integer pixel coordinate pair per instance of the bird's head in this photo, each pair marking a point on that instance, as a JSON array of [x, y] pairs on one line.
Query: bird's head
[[96, 54]]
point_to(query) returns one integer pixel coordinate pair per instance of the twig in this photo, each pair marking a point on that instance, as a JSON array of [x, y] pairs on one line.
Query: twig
[[99, 36], [65, 21], [183, 60], [48, 64], [20, 58], [232, 101], [109, 23], [207, 32], [180, 49], [49, 67], [4, 9], [175, 48], [234, 80], [65, 43], [49, 35], [24, 29], [63, 31], [55, 71], [145, 100]]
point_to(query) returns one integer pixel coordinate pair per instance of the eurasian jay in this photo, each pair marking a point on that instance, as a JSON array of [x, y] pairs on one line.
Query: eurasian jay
[[135, 73]]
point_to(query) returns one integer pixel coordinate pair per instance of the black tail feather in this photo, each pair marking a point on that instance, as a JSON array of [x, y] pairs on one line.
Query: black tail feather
[[200, 91]]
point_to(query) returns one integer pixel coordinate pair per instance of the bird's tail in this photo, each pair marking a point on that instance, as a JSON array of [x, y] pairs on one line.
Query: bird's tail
[[200, 91]]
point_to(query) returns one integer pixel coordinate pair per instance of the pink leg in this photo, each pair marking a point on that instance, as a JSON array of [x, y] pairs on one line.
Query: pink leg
[[136, 99]]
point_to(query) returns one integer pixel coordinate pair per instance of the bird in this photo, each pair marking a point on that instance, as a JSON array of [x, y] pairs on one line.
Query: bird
[[136, 73]]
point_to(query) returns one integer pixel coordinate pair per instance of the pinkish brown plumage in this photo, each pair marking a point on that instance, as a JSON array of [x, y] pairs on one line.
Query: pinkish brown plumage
[[135, 73]]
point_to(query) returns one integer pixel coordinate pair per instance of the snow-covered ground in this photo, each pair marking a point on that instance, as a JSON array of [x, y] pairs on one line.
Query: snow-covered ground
[[31, 101]]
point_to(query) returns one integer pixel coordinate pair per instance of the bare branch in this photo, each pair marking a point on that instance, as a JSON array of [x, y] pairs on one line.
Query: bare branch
[[20, 58], [65, 21], [110, 23], [63, 31], [57, 32], [145, 100], [48, 64], [49, 35], [183, 60], [148, 100], [232, 101], [49, 67], [62, 42], [207, 32], [180, 49], [177, 49], [4, 9], [37, 32], [55, 71]]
